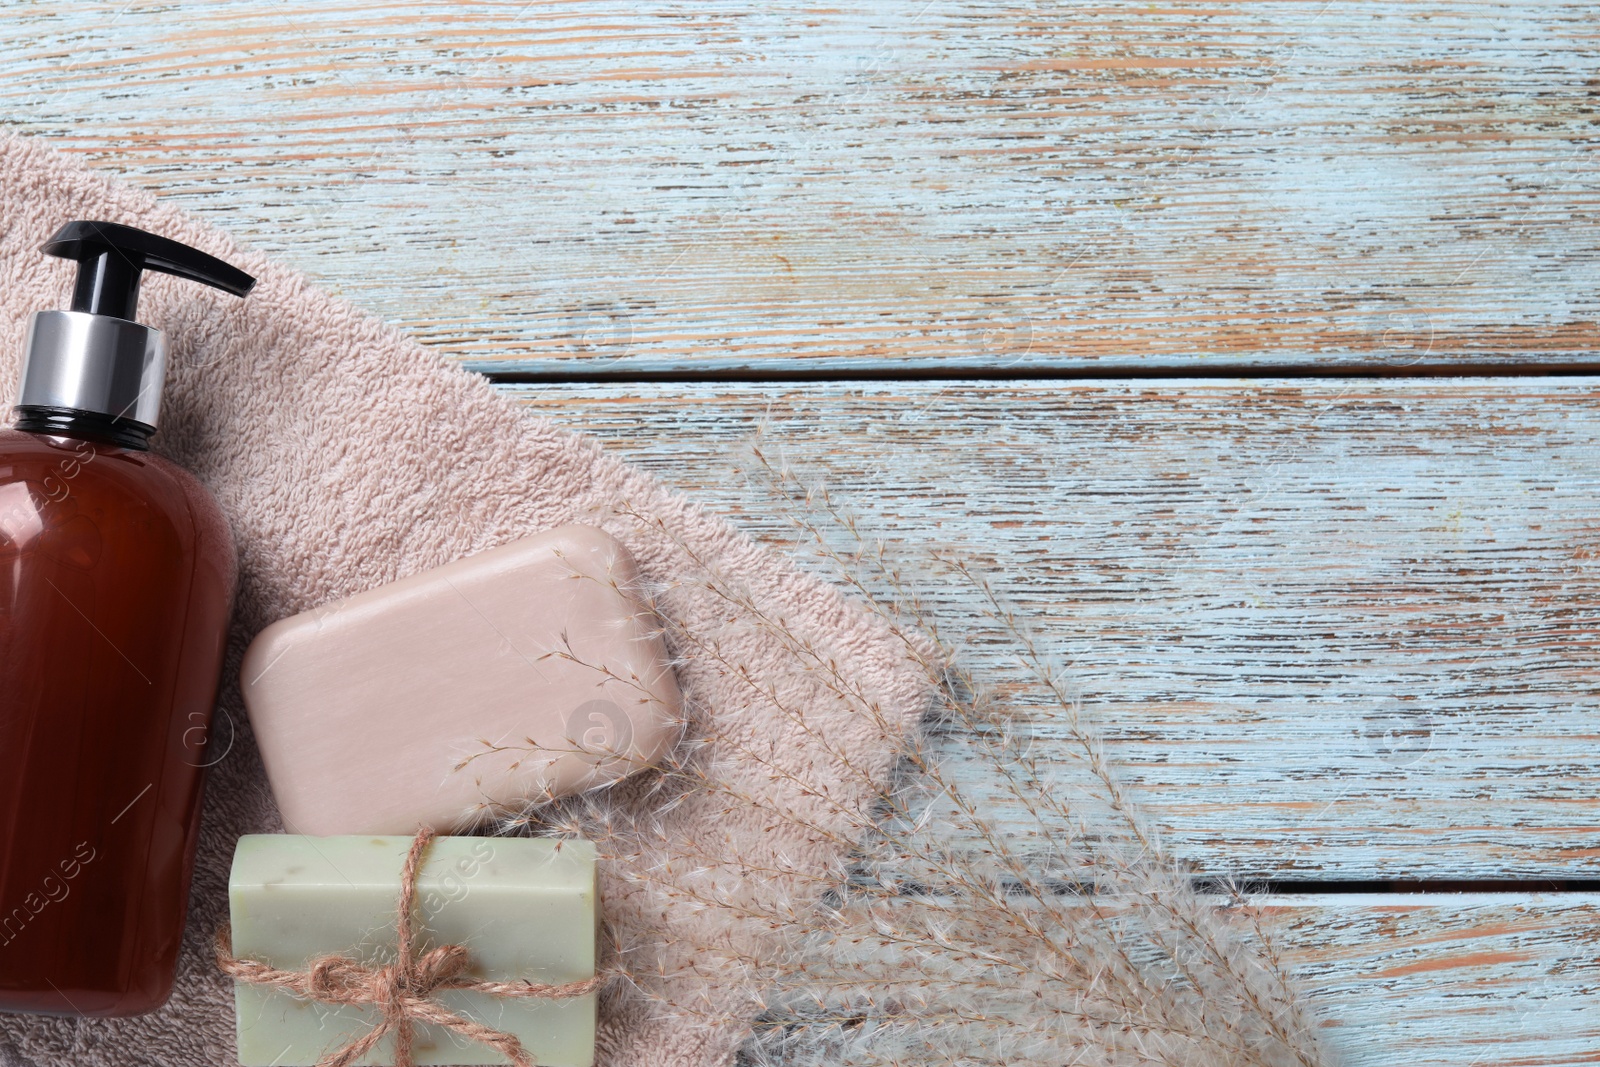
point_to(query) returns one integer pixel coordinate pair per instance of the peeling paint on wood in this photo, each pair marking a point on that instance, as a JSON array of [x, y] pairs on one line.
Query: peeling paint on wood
[[1452, 980], [1334, 630], [901, 183]]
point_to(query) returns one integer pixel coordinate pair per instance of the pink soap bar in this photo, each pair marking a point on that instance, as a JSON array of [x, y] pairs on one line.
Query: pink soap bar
[[522, 673]]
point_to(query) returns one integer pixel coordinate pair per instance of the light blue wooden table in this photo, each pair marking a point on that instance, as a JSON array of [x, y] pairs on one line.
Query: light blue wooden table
[[1251, 348]]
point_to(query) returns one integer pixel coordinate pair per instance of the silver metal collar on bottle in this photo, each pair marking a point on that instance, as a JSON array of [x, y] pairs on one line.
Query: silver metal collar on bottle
[[94, 363]]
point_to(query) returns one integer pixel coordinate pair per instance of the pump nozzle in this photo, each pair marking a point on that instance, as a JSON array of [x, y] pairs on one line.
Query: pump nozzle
[[111, 258], [94, 364]]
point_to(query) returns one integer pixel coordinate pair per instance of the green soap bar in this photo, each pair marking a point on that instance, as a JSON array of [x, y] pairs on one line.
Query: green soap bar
[[523, 907]]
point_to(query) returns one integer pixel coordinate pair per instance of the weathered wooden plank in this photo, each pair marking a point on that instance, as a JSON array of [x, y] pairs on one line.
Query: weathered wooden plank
[[1463, 980], [912, 184], [1334, 630], [1458, 980]]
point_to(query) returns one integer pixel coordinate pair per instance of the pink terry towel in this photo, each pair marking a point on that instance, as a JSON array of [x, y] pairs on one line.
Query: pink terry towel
[[346, 456]]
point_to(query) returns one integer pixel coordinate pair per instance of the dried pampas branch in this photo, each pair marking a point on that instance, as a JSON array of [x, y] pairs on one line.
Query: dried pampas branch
[[1002, 906]]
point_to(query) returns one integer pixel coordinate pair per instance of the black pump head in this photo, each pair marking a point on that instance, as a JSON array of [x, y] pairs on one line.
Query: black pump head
[[112, 257], [94, 366]]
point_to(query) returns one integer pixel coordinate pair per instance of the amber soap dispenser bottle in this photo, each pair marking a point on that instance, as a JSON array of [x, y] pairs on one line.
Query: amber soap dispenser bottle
[[116, 583]]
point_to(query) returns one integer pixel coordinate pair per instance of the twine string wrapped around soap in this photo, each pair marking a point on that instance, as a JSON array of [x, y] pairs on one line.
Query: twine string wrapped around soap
[[402, 991]]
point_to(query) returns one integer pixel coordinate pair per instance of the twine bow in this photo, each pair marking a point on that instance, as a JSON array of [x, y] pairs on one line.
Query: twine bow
[[402, 991]]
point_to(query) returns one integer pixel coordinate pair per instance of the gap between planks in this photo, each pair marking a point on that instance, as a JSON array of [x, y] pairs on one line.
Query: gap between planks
[[573, 372]]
